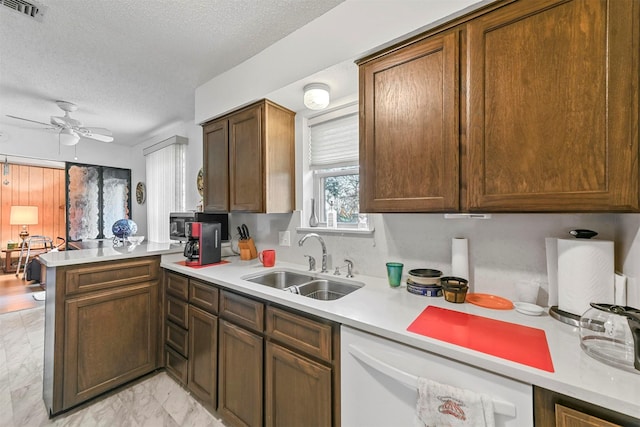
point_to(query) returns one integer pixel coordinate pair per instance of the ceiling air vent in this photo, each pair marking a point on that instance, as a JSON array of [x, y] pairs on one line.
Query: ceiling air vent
[[30, 9]]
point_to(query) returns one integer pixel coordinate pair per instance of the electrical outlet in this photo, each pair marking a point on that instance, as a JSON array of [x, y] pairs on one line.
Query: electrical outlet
[[284, 238]]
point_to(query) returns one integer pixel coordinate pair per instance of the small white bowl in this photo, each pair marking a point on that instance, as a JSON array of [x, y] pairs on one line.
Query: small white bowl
[[528, 309], [135, 240]]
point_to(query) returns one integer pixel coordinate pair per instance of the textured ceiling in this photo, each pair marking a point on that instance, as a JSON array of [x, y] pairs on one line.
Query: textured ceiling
[[132, 66]]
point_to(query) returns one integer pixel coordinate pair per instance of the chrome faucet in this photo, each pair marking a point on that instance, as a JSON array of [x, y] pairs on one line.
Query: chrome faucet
[[324, 249]]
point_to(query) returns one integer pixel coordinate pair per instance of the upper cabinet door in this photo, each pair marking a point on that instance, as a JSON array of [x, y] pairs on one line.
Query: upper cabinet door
[[249, 160], [409, 128], [245, 159], [552, 90], [216, 166]]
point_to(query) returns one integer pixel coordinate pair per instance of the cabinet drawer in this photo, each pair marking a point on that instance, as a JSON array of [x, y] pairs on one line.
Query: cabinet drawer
[[299, 332], [177, 311], [102, 275], [176, 365], [203, 296], [178, 286], [178, 338], [242, 311]]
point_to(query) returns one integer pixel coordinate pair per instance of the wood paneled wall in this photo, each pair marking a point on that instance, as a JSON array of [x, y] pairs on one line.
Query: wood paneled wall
[[33, 186]]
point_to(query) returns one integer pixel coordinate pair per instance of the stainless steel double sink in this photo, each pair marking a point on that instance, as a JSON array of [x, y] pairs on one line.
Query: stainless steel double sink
[[305, 284]]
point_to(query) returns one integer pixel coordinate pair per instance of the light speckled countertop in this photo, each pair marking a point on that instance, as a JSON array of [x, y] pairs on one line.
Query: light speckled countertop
[[105, 251], [387, 312]]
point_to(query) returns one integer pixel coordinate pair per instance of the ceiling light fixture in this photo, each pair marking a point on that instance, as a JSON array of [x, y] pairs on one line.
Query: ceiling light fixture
[[316, 96], [68, 137]]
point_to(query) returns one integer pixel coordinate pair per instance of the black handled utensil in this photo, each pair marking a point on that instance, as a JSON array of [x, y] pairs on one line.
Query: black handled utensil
[[241, 233], [245, 231]]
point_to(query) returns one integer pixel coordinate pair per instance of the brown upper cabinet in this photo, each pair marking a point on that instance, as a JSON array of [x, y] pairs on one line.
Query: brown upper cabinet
[[409, 131], [249, 160], [524, 106]]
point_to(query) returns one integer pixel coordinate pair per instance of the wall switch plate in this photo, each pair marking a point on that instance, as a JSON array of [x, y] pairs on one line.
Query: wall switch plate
[[284, 238]]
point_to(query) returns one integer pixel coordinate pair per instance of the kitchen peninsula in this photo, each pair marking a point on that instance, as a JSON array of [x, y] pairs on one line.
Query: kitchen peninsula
[[102, 320], [84, 285]]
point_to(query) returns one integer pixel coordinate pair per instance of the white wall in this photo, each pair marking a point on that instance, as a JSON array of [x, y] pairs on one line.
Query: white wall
[[502, 250]]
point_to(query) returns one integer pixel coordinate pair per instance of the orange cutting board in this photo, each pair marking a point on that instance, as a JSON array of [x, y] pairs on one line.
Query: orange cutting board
[[517, 343]]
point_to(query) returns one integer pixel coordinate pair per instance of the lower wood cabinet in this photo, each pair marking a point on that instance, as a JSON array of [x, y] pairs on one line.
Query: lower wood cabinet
[[176, 365], [203, 350], [252, 363], [240, 383], [110, 339], [553, 409], [297, 389], [567, 417], [191, 336], [102, 328]]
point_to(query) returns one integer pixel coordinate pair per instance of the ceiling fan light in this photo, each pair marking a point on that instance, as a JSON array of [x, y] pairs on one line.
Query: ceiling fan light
[[68, 137], [316, 96]]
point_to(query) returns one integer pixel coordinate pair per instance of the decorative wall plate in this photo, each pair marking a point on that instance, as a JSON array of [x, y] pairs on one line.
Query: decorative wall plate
[[141, 193], [200, 182]]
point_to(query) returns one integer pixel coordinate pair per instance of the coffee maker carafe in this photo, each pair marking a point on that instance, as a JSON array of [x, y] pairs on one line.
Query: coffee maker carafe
[[203, 245]]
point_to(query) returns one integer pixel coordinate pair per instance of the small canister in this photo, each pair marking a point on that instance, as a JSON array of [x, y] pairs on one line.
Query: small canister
[[425, 290]]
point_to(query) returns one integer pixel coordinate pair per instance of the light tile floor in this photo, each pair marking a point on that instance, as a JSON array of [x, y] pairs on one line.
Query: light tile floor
[[156, 401]]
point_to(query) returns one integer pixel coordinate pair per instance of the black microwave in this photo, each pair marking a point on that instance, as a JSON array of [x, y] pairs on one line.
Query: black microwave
[[178, 220]]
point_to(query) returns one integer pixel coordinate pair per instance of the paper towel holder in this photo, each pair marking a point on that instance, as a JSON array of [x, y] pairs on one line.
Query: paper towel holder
[[583, 234], [564, 316]]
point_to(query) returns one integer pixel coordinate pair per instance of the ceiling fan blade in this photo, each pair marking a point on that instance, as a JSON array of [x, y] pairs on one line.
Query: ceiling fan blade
[[98, 137], [27, 120], [101, 131], [99, 134]]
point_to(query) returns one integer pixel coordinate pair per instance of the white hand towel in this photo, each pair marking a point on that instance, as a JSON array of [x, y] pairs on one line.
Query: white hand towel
[[441, 405]]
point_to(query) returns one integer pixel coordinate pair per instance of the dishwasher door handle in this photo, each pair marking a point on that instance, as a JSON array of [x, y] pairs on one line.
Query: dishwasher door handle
[[499, 406]]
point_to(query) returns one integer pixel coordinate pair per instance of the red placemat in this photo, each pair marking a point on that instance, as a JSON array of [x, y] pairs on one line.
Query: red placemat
[[202, 266], [517, 343]]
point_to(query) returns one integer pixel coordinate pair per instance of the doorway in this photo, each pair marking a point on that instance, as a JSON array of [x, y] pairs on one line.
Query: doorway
[[25, 184]]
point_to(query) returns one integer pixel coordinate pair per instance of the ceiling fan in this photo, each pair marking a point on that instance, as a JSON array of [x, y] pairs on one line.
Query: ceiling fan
[[69, 129]]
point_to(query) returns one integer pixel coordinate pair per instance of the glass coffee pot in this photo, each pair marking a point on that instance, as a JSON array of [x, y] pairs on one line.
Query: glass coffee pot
[[611, 334]]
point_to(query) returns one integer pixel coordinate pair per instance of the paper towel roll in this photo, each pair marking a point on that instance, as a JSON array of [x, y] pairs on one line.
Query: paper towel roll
[[460, 258], [620, 289], [585, 274], [551, 244]]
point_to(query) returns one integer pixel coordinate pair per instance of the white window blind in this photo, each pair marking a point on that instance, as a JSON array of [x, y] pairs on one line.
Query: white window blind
[[333, 141], [165, 174]]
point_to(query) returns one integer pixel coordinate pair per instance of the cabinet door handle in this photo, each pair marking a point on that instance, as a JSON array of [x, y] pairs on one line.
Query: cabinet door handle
[[411, 381]]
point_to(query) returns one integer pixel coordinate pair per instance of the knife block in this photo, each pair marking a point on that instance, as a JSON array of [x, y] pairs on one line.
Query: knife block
[[247, 249]]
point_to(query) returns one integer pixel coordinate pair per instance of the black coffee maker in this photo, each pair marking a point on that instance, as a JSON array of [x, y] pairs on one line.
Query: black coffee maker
[[203, 245]]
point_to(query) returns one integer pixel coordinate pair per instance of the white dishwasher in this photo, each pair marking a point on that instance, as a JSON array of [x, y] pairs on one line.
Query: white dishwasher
[[379, 383]]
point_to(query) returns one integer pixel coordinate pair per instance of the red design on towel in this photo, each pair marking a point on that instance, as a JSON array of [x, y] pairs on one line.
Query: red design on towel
[[453, 407]]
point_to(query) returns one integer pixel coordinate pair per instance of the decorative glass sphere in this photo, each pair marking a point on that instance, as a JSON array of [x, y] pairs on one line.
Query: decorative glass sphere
[[124, 228]]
